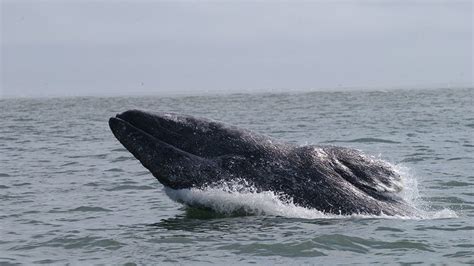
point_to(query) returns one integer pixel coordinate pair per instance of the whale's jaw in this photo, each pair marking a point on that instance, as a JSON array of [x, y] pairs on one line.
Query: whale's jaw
[[183, 151], [173, 167]]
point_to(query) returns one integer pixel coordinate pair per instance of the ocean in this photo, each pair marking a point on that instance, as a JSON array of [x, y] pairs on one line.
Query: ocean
[[71, 194]]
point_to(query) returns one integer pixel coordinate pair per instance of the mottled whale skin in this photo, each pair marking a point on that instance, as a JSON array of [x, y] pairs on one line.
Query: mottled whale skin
[[183, 151]]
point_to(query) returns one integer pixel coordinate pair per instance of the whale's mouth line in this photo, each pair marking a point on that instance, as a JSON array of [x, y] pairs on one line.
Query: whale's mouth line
[[142, 130], [129, 123], [165, 161]]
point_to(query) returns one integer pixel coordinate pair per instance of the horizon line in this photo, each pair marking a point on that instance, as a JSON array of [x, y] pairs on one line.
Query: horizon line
[[184, 93]]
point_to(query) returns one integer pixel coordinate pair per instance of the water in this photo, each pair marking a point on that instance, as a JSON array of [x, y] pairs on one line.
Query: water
[[70, 193]]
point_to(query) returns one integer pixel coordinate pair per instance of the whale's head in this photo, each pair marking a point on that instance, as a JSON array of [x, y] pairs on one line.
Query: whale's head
[[183, 151]]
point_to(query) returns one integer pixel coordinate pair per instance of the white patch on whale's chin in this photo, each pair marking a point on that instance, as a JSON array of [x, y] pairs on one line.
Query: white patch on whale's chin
[[240, 198]]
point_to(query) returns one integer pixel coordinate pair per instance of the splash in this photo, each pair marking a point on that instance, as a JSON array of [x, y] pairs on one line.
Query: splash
[[236, 197], [410, 193], [239, 197]]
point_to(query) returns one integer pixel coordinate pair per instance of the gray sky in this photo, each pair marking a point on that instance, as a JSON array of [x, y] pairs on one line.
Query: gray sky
[[63, 48]]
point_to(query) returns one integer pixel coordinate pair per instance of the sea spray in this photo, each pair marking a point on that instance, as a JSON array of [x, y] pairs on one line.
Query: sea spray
[[411, 194]]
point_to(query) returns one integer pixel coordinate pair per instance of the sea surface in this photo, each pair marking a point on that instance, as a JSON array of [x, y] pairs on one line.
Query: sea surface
[[70, 193]]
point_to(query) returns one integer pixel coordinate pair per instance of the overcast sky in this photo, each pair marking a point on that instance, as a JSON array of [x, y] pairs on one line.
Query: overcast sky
[[63, 48]]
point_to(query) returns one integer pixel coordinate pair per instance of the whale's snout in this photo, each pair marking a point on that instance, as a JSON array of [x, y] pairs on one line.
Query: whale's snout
[[145, 137]]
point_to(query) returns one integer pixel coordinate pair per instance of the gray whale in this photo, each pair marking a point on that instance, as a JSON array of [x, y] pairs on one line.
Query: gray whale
[[183, 151]]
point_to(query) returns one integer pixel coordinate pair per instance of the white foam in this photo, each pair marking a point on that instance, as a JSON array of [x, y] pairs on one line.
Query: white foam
[[224, 200], [240, 197]]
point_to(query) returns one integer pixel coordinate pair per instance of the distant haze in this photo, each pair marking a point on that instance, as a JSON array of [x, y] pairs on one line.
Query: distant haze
[[64, 48]]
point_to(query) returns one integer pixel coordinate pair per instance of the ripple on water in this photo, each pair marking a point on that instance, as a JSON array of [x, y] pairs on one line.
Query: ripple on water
[[365, 140], [72, 242], [69, 164], [81, 209], [390, 229], [451, 199], [352, 243], [119, 149], [89, 209], [446, 228], [412, 160], [99, 156], [456, 184], [114, 170], [301, 249], [121, 159], [49, 261], [128, 187], [457, 158], [460, 254]]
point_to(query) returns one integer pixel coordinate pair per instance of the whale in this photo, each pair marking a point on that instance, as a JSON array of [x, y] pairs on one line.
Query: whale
[[187, 152]]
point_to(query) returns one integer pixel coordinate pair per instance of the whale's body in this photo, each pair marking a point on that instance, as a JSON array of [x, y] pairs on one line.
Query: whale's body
[[187, 152]]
